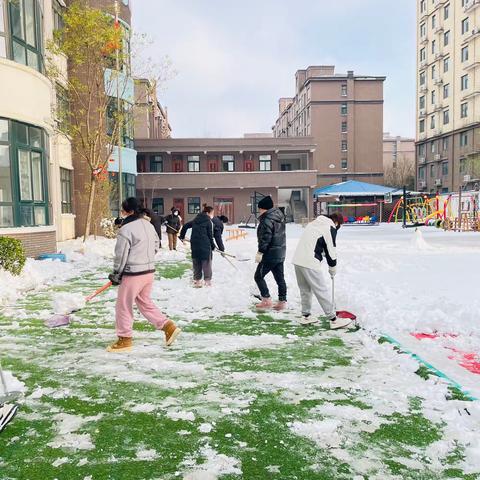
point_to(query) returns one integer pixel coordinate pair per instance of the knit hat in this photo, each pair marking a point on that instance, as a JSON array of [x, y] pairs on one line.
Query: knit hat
[[266, 203]]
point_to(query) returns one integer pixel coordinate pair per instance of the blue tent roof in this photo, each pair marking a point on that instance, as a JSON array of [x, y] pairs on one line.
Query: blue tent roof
[[352, 188]]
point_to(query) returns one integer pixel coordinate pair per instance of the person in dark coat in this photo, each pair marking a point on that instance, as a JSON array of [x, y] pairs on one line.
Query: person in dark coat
[[202, 244], [174, 224], [155, 220], [272, 248], [218, 226]]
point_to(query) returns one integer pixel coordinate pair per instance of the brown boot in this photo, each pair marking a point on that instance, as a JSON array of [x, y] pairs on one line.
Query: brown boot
[[171, 332], [123, 344]]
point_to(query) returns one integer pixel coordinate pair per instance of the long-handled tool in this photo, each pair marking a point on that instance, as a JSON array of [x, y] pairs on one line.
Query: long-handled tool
[[60, 320], [225, 254], [342, 314]]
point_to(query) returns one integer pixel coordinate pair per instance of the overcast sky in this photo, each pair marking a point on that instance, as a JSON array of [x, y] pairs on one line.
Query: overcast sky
[[234, 59]]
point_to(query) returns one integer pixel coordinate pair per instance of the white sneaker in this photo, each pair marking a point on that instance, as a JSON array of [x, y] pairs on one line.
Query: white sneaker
[[340, 323], [307, 320], [7, 412]]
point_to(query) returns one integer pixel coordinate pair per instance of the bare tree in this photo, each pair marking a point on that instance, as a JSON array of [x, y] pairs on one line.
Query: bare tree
[[401, 173]]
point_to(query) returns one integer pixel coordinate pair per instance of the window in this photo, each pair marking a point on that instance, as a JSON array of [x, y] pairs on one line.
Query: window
[[464, 139], [422, 78], [344, 146], [344, 178], [344, 109], [432, 122], [286, 167], [158, 206], [433, 97], [193, 163], [446, 11], [434, 46], [446, 90], [423, 30], [464, 82], [444, 169], [465, 26], [66, 187], [446, 117], [344, 163], [464, 54], [446, 64], [421, 103], [434, 21], [421, 126], [432, 171], [433, 147], [62, 111], [423, 55], [434, 72], [463, 165], [228, 163], [156, 163], [344, 90], [129, 185], [464, 110], [446, 38], [265, 163], [445, 143], [421, 150], [421, 173], [422, 6], [26, 32], [344, 127], [57, 12], [193, 205]]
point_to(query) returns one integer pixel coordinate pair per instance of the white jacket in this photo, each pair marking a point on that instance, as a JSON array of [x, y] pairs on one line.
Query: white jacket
[[318, 238]]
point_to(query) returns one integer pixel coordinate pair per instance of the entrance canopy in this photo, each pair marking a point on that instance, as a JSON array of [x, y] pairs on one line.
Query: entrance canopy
[[353, 188]]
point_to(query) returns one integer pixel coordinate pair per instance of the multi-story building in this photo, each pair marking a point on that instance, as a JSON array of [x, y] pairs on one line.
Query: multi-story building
[[398, 160], [448, 94], [151, 119], [35, 163], [344, 116], [227, 173]]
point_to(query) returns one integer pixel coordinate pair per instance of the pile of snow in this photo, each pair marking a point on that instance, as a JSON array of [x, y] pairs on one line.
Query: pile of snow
[[13, 384], [215, 466], [64, 302]]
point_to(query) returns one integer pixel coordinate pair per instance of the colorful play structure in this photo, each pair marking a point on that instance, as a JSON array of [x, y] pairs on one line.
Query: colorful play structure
[[372, 218], [450, 211]]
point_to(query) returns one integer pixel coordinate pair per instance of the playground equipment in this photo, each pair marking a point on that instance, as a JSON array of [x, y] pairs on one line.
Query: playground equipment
[[417, 209], [235, 234], [371, 218]]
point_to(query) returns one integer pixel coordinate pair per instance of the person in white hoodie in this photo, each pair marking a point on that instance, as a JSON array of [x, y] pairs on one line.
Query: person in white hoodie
[[318, 241]]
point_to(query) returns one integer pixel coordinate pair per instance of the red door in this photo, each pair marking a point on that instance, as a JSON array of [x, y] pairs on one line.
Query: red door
[[249, 164], [177, 164], [213, 164], [224, 206], [179, 204]]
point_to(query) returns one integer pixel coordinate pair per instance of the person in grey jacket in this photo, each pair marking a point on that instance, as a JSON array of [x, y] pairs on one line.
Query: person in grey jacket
[[134, 267]]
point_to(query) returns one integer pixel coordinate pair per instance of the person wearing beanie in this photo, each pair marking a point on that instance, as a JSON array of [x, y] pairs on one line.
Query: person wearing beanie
[[134, 267], [272, 247], [174, 225]]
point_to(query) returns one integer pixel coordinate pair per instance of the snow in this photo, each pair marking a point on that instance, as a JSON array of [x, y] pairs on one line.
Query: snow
[[13, 384], [216, 464]]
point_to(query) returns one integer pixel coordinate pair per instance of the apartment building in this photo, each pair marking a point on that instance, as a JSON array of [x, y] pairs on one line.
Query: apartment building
[[448, 94], [398, 160], [35, 163], [343, 113], [227, 173]]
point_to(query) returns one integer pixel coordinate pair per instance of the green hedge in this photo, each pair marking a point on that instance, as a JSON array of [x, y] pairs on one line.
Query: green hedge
[[12, 255]]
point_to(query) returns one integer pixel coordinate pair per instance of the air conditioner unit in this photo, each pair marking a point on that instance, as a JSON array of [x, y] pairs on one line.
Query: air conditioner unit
[[438, 182], [422, 184], [467, 178], [438, 81], [437, 157]]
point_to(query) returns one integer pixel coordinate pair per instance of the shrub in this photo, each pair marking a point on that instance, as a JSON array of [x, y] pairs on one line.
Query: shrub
[[108, 227], [12, 255]]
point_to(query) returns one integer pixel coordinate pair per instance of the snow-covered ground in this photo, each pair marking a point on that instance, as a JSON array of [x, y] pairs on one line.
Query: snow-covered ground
[[398, 282]]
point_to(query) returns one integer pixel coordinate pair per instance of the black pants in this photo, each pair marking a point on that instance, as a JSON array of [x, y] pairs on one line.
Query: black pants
[[277, 270]]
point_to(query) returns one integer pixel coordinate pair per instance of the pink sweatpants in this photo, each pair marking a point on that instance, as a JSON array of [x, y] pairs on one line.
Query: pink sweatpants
[[136, 289]]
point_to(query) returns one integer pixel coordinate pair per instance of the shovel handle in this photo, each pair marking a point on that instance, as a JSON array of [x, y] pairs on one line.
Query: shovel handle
[[333, 293], [97, 292]]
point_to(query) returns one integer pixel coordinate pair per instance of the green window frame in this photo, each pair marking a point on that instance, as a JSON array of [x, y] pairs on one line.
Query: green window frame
[[193, 205], [66, 188], [26, 38], [158, 206], [156, 163], [23, 175]]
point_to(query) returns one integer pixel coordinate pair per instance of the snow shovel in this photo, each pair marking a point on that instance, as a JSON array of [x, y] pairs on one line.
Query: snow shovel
[[60, 320], [341, 313], [7, 396], [227, 259], [232, 256]]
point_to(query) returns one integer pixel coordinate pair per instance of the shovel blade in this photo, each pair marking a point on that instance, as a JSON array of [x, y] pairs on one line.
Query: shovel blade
[[58, 321], [345, 314]]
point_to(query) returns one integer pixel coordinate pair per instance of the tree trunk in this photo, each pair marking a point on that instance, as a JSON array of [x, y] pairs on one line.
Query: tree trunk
[[91, 199]]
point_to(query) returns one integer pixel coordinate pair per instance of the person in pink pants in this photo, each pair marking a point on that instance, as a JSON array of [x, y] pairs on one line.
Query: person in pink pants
[[134, 267]]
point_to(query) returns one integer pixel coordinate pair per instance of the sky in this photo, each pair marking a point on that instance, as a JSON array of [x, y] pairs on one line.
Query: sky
[[233, 60]]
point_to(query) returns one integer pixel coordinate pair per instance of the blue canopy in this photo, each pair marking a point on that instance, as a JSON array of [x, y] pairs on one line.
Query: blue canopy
[[353, 188]]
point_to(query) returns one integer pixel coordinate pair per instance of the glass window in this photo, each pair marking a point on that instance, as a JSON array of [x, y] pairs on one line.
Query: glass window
[[156, 163], [463, 165], [464, 139], [5, 177], [25, 175], [444, 168], [344, 127], [421, 103], [344, 90], [37, 177], [3, 130], [30, 33], [421, 126], [432, 171], [193, 163], [158, 206], [193, 205], [344, 163], [446, 11], [421, 150], [433, 147], [464, 110], [446, 117], [422, 6], [57, 13], [421, 173], [423, 55], [446, 38], [446, 90], [35, 137], [465, 26], [265, 163], [445, 143], [434, 21], [434, 46], [464, 82], [344, 109], [446, 64], [423, 30], [6, 216], [228, 162], [344, 146], [40, 216], [432, 122], [464, 54], [433, 95], [434, 72], [66, 185], [422, 78]]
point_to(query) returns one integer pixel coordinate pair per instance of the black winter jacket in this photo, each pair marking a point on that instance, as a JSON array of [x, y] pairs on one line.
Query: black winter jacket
[[173, 223], [272, 241], [157, 222], [217, 233], [201, 239]]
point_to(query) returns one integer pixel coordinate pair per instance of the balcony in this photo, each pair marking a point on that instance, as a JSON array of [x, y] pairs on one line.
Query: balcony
[[438, 29], [438, 81], [424, 40], [226, 180], [470, 5], [472, 65], [471, 36]]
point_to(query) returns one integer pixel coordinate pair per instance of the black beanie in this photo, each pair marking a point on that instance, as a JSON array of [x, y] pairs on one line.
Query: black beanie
[[266, 203], [131, 205]]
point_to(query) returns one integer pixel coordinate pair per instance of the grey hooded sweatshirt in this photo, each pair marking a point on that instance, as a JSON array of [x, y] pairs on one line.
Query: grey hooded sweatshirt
[[137, 244]]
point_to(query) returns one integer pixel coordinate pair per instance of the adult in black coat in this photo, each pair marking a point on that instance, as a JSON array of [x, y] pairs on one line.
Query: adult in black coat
[[272, 248], [156, 221], [218, 226], [202, 245]]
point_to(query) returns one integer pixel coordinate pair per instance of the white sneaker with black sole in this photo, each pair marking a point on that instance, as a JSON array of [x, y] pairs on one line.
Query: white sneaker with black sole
[[307, 320], [337, 323], [7, 412]]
